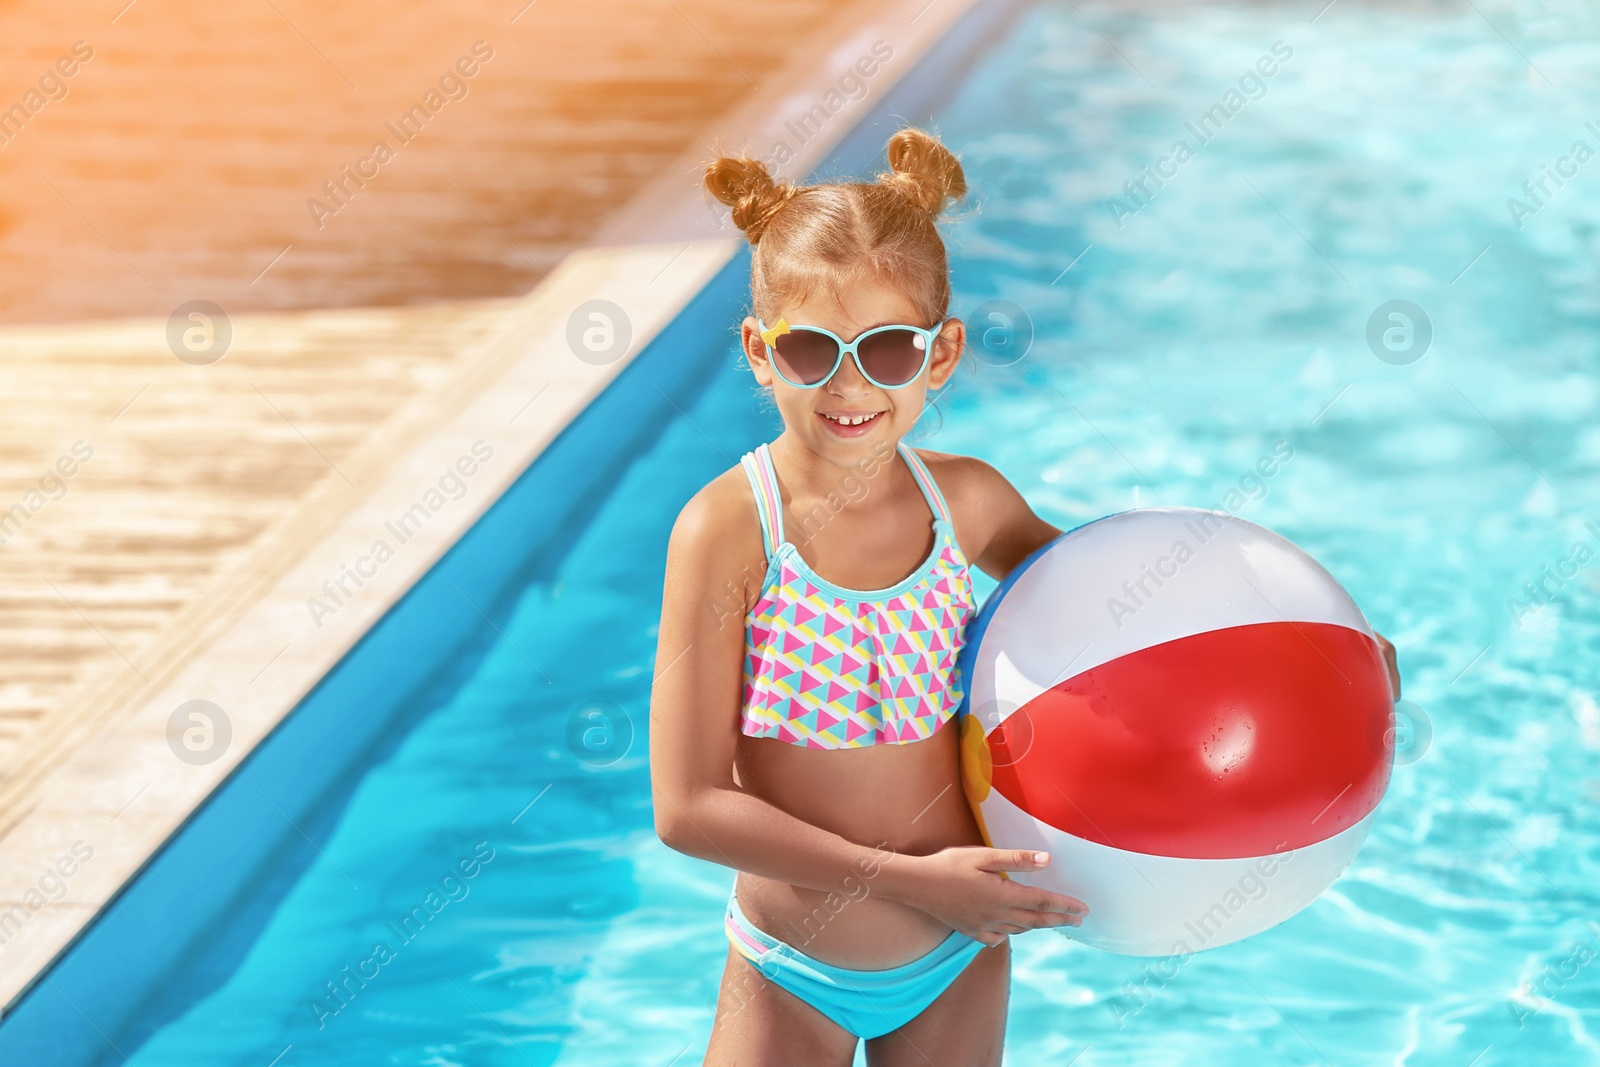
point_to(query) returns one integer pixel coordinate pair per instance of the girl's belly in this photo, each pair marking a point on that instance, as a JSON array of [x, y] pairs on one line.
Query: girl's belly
[[903, 800]]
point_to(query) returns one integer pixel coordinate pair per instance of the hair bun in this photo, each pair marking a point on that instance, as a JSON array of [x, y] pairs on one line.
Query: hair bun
[[745, 185], [924, 170]]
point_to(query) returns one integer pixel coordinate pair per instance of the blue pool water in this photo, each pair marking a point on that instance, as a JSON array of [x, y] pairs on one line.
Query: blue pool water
[[1193, 332]]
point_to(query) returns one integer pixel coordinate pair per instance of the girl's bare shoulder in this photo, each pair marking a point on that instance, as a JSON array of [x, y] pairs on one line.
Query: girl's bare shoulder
[[993, 522], [967, 482], [721, 516]]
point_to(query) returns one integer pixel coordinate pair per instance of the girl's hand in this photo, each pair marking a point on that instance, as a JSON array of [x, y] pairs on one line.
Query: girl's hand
[[961, 887], [1389, 661]]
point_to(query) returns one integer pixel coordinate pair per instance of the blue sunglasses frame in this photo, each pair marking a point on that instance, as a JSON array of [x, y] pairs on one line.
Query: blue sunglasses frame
[[928, 336]]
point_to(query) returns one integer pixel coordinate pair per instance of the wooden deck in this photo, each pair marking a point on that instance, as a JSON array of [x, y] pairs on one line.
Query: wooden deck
[[180, 163], [179, 477]]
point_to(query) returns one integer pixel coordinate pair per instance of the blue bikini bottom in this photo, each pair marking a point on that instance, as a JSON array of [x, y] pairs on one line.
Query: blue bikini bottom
[[866, 1003]]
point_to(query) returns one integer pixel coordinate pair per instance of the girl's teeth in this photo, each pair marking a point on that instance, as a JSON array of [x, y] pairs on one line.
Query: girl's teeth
[[856, 421]]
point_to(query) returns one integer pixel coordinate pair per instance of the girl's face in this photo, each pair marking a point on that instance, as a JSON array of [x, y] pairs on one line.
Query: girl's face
[[806, 412]]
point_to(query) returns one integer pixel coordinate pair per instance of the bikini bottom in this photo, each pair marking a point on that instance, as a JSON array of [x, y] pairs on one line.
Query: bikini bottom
[[866, 1003]]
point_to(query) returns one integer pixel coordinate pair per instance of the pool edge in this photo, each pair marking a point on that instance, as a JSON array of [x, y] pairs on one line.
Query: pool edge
[[139, 747]]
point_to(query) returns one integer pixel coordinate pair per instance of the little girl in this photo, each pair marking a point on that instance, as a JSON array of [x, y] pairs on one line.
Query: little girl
[[807, 746], [814, 604]]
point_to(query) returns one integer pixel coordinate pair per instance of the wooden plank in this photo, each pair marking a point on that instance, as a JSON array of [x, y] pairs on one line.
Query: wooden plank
[[182, 159]]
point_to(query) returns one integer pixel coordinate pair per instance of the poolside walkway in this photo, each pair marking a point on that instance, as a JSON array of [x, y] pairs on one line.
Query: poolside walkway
[[163, 514], [194, 466]]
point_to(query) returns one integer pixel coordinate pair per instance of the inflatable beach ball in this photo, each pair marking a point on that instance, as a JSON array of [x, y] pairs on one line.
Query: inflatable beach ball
[[1188, 713]]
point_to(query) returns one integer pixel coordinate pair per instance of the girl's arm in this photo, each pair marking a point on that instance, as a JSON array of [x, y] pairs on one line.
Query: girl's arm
[[1012, 531]]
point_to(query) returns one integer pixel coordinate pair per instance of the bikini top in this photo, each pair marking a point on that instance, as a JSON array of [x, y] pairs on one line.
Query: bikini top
[[830, 667]]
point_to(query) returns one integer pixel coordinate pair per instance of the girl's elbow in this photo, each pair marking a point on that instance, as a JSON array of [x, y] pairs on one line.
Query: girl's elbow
[[669, 831], [673, 827], [682, 829]]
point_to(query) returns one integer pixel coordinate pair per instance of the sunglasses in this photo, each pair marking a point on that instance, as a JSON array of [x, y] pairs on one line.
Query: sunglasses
[[889, 357]]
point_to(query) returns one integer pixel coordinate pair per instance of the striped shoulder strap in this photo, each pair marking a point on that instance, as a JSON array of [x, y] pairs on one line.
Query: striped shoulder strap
[[930, 488], [764, 481]]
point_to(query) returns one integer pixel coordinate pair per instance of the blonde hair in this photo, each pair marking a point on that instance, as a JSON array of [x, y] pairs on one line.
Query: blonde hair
[[830, 234]]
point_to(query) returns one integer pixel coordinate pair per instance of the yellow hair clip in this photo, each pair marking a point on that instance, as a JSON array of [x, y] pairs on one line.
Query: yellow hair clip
[[771, 336]]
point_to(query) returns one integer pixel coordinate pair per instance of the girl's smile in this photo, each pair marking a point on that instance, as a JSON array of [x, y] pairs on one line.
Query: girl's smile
[[849, 424]]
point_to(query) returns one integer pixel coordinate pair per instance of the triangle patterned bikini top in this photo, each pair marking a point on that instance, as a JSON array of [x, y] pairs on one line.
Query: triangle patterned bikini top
[[830, 667]]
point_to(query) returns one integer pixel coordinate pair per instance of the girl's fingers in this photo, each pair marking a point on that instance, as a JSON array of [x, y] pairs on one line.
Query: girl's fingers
[[1044, 900], [996, 859], [1030, 920], [1013, 859], [1040, 920], [1024, 925]]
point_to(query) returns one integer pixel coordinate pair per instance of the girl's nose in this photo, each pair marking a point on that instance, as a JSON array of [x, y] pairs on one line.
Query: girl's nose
[[847, 380]]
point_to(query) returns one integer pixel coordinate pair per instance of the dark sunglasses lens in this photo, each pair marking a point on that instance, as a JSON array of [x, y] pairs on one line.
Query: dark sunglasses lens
[[806, 357], [893, 357]]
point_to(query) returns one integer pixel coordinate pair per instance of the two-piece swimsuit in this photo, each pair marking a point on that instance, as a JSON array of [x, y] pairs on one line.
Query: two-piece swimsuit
[[830, 667]]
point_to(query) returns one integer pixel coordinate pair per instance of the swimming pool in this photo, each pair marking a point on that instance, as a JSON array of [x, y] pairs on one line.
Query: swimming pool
[[1142, 351]]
